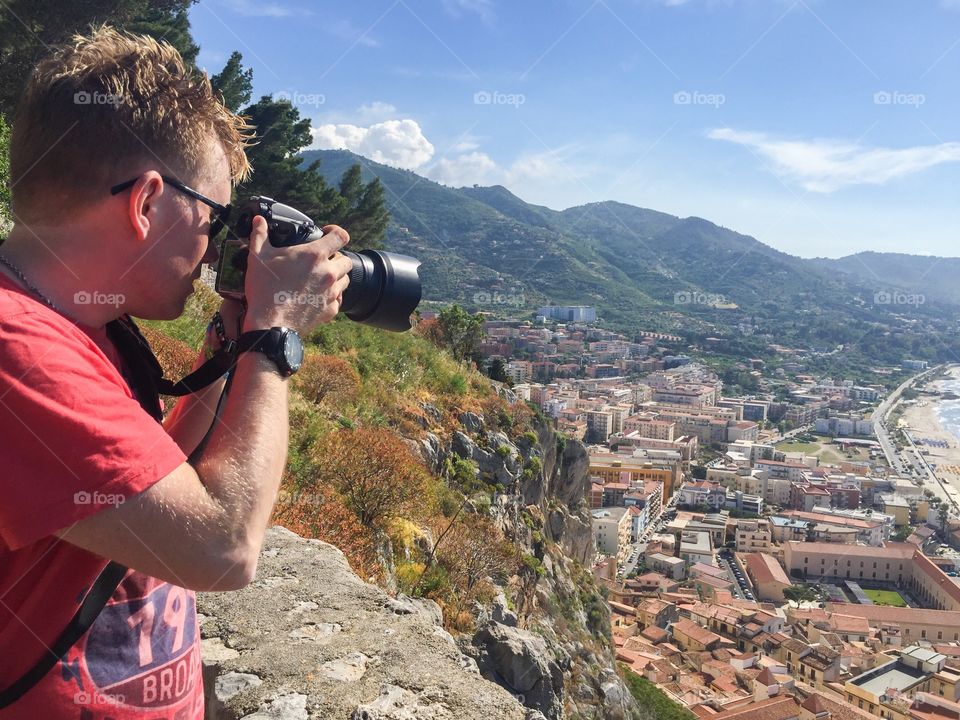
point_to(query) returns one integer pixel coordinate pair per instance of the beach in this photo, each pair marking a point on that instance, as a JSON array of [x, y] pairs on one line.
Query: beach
[[934, 419]]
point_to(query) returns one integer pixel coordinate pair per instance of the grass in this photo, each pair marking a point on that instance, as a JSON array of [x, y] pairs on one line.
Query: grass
[[653, 699], [798, 447], [885, 597]]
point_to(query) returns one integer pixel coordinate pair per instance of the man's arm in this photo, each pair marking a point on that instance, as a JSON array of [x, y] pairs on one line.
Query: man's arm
[[203, 528]]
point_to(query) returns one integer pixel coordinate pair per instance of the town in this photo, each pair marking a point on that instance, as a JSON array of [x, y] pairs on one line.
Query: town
[[782, 555]]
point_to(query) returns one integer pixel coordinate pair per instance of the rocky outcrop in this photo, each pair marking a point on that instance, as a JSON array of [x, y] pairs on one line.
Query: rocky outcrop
[[309, 639], [553, 652], [523, 663]]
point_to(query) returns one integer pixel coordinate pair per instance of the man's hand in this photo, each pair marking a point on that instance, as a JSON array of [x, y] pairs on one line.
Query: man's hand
[[298, 287], [231, 312]]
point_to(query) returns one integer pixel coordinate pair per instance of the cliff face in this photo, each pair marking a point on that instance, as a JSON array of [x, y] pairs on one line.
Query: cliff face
[[309, 639], [546, 638]]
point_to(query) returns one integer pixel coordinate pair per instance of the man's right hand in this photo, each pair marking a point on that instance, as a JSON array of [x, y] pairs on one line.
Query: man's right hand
[[297, 287]]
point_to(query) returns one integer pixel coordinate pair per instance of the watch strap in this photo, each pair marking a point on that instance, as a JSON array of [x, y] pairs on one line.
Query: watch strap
[[265, 341]]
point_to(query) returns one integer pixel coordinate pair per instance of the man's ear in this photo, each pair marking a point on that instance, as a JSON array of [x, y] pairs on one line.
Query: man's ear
[[144, 195]]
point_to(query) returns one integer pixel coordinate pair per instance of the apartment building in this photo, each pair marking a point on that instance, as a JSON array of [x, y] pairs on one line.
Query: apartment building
[[753, 536]]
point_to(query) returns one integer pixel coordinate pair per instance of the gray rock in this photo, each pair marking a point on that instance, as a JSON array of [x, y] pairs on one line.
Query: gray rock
[[233, 682], [337, 673], [471, 422], [431, 411], [501, 613], [396, 703], [292, 706], [345, 669], [521, 662]]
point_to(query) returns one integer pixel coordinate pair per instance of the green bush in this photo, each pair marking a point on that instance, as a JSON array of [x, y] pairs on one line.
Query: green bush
[[533, 564], [652, 698]]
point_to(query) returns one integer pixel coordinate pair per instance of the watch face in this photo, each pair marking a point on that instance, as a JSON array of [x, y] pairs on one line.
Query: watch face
[[293, 350]]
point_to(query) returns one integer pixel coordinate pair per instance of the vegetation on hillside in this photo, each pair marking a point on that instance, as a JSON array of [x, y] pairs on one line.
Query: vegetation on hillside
[[653, 699]]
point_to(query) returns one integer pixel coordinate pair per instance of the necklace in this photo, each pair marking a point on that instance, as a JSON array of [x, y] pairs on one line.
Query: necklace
[[27, 284]]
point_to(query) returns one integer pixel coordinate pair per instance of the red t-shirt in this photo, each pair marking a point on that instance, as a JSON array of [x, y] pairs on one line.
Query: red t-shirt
[[74, 440]]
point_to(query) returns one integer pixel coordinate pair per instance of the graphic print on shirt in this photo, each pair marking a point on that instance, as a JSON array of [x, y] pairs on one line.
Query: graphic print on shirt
[[141, 652]]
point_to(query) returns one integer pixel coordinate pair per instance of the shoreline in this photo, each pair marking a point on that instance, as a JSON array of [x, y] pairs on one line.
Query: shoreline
[[923, 422]]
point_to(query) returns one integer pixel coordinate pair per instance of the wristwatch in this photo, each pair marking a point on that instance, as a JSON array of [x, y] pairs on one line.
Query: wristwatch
[[280, 344]]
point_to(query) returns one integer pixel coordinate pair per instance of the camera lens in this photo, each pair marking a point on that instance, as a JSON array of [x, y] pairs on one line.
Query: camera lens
[[384, 289]]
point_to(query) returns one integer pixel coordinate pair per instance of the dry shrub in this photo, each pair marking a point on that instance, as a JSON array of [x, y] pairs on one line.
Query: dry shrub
[[471, 551], [176, 357], [327, 378], [375, 473], [322, 514]]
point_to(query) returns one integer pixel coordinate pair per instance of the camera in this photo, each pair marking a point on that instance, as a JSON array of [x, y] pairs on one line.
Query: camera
[[384, 287]]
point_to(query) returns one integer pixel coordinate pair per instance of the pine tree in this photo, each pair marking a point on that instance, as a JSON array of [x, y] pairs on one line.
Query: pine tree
[[234, 82], [28, 29]]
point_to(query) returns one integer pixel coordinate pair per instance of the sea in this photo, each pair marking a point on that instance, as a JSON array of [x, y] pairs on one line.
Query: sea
[[948, 411]]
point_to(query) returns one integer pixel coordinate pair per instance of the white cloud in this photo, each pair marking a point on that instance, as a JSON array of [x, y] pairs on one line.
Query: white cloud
[[825, 165], [347, 31], [483, 8], [251, 8], [375, 111], [547, 168], [475, 168], [400, 143]]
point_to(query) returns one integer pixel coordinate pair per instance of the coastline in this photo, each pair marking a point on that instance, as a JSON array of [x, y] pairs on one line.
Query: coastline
[[923, 421]]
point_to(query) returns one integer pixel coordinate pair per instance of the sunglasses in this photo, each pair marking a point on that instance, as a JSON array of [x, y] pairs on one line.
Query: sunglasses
[[217, 223]]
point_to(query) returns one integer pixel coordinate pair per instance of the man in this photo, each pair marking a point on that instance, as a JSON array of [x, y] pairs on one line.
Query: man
[[120, 163]]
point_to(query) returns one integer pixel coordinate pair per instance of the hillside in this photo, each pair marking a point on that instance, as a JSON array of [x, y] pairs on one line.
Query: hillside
[[931, 276], [487, 249]]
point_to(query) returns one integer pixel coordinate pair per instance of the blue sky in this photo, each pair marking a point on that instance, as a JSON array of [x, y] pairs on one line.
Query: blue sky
[[820, 127]]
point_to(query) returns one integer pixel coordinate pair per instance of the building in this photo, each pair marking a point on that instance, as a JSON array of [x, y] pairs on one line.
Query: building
[[637, 468], [599, 425], [703, 492], [671, 567], [569, 313], [868, 532], [898, 507], [917, 669], [768, 577], [696, 547], [794, 472], [891, 563], [611, 531], [753, 536], [647, 427], [691, 637]]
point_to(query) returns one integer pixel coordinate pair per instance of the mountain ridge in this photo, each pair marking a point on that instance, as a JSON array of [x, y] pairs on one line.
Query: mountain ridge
[[487, 249]]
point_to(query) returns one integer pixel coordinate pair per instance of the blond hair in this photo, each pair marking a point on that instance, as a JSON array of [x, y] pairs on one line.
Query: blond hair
[[100, 106]]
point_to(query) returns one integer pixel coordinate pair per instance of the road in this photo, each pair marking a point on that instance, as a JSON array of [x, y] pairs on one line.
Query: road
[[897, 460]]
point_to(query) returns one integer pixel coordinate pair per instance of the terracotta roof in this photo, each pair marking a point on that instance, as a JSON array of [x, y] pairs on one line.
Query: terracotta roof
[[766, 677], [695, 632], [890, 551], [842, 710], [655, 634], [776, 708], [766, 568], [877, 614], [848, 624], [929, 569], [796, 646], [814, 704], [832, 519]]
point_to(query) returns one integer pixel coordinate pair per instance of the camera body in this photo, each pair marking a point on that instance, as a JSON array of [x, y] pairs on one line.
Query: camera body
[[384, 287]]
